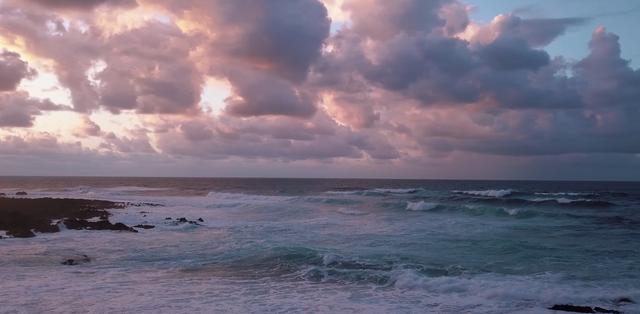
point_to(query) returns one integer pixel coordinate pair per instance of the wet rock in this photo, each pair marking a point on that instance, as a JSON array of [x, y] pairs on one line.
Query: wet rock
[[78, 224], [77, 261], [21, 233], [623, 300], [581, 309], [3, 194], [143, 212], [184, 220], [21, 193], [144, 226], [168, 218], [144, 204]]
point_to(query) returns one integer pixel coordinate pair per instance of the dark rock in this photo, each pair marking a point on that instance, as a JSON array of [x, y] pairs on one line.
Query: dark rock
[[21, 193], [144, 226], [183, 220], [200, 220], [3, 194], [572, 308], [21, 216], [623, 300], [21, 233], [72, 262], [581, 309], [168, 218], [143, 212], [143, 204], [78, 224]]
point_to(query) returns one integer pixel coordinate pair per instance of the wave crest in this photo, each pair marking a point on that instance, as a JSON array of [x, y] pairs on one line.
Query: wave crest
[[488, 193]]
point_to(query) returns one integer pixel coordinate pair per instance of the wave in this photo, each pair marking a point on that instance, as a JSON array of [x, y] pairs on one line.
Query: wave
[[376, 191], [562, 202], [351, 212], [421, 206], [224, 196], [488, 193], [398, 191], [584, 194]]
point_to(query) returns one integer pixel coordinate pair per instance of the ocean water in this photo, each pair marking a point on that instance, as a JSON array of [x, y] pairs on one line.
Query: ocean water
[[332, 246]]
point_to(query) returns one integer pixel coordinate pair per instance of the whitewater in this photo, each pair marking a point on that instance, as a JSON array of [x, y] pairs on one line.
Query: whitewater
[[331, 246]]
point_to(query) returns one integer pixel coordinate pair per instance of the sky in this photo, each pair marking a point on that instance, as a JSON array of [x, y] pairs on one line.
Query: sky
[[438, 89]]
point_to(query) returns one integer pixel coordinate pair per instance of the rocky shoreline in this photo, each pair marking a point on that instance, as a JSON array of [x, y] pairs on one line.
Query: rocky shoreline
[[24, 217]]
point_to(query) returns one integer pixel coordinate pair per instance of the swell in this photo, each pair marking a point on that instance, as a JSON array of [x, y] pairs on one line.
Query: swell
[[311, 265]]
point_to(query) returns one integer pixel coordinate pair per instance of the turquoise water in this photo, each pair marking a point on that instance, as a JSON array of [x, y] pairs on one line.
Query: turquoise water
[[381, 246]]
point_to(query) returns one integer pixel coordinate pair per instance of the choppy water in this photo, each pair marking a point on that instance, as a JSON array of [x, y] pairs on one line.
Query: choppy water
[[332, 246]]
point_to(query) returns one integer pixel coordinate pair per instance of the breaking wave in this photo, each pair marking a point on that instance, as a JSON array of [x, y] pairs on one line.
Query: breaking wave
[[488, 193], [421, 206]]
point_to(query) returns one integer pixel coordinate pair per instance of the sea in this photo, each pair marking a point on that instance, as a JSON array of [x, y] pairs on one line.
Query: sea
[[331, 246]]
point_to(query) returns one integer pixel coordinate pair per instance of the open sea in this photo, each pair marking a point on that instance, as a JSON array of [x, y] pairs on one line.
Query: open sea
[[332, 246]]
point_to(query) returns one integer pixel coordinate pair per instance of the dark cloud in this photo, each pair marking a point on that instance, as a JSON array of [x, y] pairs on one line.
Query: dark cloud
[[606, 78], [256, 94], [12, 70], [17, 109], [513, 54], [148, 69], [136, 143], [281, 36]]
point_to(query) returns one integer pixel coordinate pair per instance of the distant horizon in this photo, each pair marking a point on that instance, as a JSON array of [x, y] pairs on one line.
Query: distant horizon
[[317, 178]]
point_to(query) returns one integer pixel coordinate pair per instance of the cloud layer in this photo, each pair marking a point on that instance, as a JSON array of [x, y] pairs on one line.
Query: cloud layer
[[406, 85]]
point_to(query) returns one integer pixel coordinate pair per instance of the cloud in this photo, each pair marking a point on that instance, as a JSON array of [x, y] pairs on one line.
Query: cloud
[[256, 94], [539, 31], [283, 37], [148, 69], [513, 54], [12, 70], [17, 109], [81, 4], [87, 128], [379, 20], [404, 84]]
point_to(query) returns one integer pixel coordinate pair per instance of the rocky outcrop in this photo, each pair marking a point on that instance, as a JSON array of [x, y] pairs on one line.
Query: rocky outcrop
[[83, 259], [142, 226], [581, 309], [78, 224], [23, 217]]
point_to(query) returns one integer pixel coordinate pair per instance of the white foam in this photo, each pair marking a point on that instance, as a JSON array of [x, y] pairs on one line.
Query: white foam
[[563, 193], [560, 200], [511, 211], [397, 191], [489, 193], [351, 211], [224, 196], [421, 206]]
